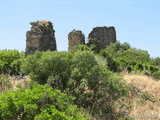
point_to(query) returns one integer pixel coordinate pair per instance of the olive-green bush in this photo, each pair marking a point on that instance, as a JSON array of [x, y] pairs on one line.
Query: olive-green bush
[[80, 74], [10, 62], [122, 57], [39, 102]]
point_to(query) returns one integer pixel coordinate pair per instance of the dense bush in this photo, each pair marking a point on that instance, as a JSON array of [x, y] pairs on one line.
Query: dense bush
[[112, 53], [10, 61], [122, 57], [80, 74], [156, 75], [116, 49], [39, 102], [43, 66], [95, 45], [155, 61]]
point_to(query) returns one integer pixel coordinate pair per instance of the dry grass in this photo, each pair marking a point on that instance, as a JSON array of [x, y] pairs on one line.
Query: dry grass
[[143, 106], [21, 82], [8, 83]]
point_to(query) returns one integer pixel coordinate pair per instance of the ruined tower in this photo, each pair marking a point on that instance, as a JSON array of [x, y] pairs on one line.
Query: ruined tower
[[40, 37], [102, 36], [75, 37]]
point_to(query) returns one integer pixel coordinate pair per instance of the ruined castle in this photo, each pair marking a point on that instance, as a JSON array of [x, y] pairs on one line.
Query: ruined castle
[[75, 37], [41, 37], [102, 36]]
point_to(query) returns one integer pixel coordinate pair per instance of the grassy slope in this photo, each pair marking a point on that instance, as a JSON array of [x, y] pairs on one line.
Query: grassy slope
[[147, 85]]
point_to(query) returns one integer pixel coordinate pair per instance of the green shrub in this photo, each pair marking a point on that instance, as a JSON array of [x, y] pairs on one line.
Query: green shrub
[[113, 54], [156, 75], [122, 57], [38, 102], [46, 65], [155, 61], [146, 68], [111, 63], [10, 61], [116, 49], [81, 74], [94, 44], [81, 47]]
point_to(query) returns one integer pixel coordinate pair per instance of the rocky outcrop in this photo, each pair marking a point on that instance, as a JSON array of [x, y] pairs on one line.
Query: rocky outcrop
[[102, 36], [41, 37], [75, 37]]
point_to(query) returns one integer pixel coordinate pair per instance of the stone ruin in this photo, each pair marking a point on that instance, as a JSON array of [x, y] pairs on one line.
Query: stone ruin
[[41, 37], [102, 36], [75, 37], [99, 36]]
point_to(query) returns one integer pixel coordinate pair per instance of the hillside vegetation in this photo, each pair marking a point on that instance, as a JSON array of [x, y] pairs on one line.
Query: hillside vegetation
[[79, 84], [144, 95]]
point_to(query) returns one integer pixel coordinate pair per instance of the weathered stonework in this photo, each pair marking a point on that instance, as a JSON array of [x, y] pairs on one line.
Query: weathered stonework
[[40, 37], [102, 36], [75, 37]]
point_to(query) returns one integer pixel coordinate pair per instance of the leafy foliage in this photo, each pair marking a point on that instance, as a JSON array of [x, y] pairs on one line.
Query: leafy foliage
[[10, 61], [122, 57], [155, 61], [82, 47], [94, 44], [38, 102], [80, 74], [112, 53]]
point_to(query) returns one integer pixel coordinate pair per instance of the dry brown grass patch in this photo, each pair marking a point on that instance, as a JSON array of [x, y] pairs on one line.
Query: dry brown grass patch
[[146, 85], [8, 83]]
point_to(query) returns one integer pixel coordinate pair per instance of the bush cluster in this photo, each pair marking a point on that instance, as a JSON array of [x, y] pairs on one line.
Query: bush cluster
[[39, 102], [79, 74], [121, 57]]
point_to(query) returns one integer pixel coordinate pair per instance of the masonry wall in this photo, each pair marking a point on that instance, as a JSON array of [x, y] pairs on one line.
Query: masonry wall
[[41, 37], [102, 36], [75, 37]]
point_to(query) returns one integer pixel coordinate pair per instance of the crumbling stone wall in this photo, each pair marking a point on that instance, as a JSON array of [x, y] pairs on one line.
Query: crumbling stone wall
[[102, 36], [75, 37], [41, 37]]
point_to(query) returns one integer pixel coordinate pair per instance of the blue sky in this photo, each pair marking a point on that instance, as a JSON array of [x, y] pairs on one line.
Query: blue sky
[[136, 21]]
